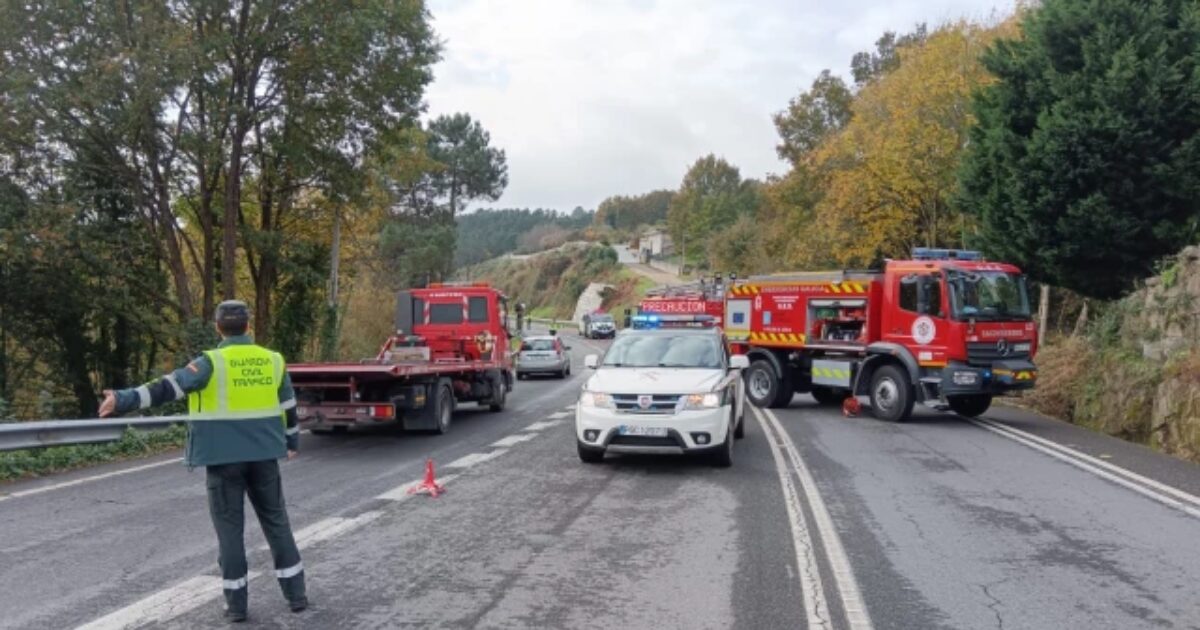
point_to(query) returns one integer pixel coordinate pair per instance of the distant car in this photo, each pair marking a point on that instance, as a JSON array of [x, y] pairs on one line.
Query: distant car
[[597, 326], [543, 355], [663, 391]]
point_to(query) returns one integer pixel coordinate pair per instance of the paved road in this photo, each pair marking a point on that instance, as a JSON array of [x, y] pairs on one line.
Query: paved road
[[822, 522]]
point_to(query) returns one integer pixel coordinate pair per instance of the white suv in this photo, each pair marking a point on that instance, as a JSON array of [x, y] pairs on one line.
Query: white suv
[[662, 391]]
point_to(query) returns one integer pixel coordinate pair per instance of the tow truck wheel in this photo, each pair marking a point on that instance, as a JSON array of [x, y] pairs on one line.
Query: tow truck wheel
[[444, 410], [970, 406], [829, 395], [891, 394], [499, 394]]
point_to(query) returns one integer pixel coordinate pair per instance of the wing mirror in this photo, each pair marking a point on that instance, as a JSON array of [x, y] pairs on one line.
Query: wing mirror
[[739, 362], [592, 361]]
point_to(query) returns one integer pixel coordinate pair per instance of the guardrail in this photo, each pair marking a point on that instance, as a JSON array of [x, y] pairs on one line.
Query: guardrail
[[40, 434]]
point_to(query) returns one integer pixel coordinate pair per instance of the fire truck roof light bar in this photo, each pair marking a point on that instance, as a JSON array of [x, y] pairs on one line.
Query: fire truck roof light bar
[[928, 253]]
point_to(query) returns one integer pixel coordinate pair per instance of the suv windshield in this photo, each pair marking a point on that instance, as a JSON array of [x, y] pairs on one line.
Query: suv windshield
[[988, 295], [682, 351]]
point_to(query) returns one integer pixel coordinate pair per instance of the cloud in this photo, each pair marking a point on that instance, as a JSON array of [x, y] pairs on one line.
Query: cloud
[[594, 98]]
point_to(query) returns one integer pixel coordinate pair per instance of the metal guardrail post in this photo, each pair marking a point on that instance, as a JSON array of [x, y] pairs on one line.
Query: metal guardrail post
[[40, 434]]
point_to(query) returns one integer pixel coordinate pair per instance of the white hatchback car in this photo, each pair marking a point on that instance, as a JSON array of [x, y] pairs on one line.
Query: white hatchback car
[[662, 391]]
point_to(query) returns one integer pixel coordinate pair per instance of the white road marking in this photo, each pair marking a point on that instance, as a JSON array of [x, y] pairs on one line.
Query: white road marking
[[83, 480], [816, 609], [538, 426], [400, 493], [570, 407], [852, 601], [164, 605], [325, 529], [513, 440], [558, 415], [1154, 490], [467, 461]]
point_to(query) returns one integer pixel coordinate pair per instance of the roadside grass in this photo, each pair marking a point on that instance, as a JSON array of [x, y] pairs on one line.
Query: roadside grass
[[132, 445]]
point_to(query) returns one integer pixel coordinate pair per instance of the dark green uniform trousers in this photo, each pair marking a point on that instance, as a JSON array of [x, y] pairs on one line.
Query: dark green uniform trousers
[[228, 487]]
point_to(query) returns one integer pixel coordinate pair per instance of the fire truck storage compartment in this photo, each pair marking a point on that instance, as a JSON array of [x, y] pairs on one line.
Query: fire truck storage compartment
[[837, 320], [832, 373]]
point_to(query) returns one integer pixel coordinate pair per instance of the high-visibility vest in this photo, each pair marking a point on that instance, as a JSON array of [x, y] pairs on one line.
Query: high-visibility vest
[[237, 416]]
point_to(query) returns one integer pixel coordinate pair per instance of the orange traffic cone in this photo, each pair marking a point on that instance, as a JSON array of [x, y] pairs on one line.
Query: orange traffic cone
[[851, 407], [429, 485]]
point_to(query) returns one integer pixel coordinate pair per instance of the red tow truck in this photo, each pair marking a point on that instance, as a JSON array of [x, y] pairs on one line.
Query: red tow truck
[[947, 329], [451, 346]]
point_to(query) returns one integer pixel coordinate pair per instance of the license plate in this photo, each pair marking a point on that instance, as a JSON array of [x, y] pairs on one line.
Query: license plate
[[643, 431]]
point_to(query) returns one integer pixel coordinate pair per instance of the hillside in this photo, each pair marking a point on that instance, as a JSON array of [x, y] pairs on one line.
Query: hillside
[[550, 284], [487, 234], [1136, 372]]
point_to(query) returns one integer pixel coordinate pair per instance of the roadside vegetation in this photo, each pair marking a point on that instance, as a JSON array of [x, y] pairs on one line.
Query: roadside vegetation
[[132, 445]]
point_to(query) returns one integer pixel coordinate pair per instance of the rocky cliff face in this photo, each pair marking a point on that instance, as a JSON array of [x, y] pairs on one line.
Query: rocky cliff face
[[1137, 373]]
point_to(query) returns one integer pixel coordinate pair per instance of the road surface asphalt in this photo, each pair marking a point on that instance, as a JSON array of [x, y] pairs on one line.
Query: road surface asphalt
[[823, 521]]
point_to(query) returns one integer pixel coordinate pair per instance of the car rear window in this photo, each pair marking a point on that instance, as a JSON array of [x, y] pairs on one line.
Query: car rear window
[[538, 345]]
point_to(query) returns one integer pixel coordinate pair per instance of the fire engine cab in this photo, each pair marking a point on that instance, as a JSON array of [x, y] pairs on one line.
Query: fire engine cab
[[947, 329]]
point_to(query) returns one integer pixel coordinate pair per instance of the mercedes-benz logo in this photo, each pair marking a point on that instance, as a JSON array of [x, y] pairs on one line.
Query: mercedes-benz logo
[[1003, 348]]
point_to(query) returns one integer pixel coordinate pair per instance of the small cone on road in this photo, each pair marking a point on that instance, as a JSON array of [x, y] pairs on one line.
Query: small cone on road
[[851, 407], [429, 485]]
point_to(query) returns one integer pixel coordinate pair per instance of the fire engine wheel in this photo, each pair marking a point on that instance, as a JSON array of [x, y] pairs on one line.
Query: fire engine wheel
[[829, 395], [761, 384], [970, 406], [891, 394]]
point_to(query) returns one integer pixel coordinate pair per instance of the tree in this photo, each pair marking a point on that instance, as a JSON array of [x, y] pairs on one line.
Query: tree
[[889, 178], [711, 197], [629, 213], [1085, 166], [470, 168], [812, 116], [867, 66]]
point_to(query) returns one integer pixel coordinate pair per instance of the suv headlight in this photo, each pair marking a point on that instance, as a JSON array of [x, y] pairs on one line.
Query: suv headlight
[[596, 399], [710, 400]]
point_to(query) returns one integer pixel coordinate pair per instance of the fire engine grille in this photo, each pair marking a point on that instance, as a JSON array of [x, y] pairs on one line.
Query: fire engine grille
[[659, 403], [987, 352]]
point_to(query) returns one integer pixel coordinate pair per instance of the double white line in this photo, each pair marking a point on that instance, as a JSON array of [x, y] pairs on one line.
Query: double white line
[[789, 464], [1162, 493]]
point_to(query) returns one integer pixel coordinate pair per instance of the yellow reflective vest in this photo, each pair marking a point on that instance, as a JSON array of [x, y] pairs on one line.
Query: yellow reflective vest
[[236, 417]]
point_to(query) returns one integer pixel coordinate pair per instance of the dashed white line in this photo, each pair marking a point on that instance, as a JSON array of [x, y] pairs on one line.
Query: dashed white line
[[538, 426], [558, 415], [467, 461], [839, 562], [164, 605], [513, 440], [327, 528]]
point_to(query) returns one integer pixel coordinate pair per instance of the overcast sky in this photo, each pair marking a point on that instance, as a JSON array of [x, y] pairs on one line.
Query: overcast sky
[[592, 98]]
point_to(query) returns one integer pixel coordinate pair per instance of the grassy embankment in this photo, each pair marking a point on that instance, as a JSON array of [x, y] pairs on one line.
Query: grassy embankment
[[550, 284], [1135, 372]]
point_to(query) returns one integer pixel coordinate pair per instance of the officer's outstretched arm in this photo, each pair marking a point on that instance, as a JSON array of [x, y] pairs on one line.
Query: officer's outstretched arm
[[174, 386]]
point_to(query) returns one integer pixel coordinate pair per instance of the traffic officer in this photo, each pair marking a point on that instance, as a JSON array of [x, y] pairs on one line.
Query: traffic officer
[[241, 421]]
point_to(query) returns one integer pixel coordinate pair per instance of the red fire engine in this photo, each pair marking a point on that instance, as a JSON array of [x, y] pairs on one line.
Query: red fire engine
[[947, 329], [702, 298]]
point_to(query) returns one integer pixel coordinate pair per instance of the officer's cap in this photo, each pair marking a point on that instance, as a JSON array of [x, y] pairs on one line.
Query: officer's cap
[[232, 313]]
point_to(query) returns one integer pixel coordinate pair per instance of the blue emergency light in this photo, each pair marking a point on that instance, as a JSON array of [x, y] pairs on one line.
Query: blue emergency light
[[929, 253], [644, 322]]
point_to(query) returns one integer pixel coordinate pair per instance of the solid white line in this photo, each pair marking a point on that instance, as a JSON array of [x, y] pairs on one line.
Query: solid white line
[[852, 601], [538, 426], [816, 609], [1076, 459], [76, 482], [513, 440], [467, 461], [558, 415], [164, 605]]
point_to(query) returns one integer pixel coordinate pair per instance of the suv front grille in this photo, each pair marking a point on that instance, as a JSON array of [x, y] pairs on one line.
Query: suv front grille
[[985, 353], [660, 403]]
